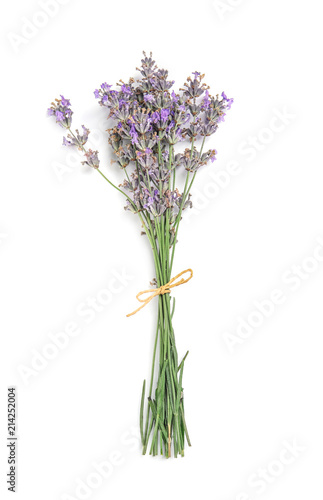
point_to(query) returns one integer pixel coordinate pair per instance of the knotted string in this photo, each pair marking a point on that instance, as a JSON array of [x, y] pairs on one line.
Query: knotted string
[[162, 289]]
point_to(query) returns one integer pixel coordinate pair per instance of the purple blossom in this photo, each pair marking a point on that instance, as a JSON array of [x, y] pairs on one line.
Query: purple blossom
[[206, 101], [62, 112], [96, 93], [164, 114], [85, 135], [125, 89], [77, 139], [92, 159], [213, 157], [171, 125], [134, 135], [148, 98], [149, 202], [228, 101], [152, 199], [67, 142], [105, 86], [65, 102], [155, 117], [174, 97], [59, 116]]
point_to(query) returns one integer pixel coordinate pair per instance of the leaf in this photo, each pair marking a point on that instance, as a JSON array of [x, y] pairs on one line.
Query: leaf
[[142, 412]]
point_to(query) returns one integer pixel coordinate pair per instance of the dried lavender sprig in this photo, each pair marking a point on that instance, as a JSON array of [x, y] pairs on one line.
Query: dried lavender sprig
[[61, 110]]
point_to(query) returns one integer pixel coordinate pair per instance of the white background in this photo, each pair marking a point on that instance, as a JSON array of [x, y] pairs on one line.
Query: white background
[[64, 237]]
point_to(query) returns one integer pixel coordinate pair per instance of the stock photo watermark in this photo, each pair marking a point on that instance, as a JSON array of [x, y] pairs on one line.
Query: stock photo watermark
[[292, 279], [74, 157], [247, 151], [3, 237], [225, 7], [101, 471], [86, 313], [32, 25], [266, 475]]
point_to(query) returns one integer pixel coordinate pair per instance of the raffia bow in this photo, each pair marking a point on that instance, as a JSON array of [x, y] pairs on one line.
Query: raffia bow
[[162, 289]]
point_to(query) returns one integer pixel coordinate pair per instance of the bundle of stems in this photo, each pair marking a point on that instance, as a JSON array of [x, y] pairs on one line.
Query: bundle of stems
[[165, 417], [164, 427]]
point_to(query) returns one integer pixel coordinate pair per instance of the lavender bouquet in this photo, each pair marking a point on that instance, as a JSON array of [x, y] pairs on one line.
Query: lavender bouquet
[[149, 122]]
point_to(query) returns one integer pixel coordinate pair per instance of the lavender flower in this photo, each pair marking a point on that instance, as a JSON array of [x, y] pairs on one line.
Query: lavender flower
[[92, 159], [62, 111], [148, 98], [228, 101], [77, 139], [206, 101], [164, 114], [133, 134]]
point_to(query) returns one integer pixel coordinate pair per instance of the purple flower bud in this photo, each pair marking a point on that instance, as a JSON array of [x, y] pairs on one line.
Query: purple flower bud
[[125, 89], [148, 98], [96, 94], [155, 117], [62, 112], [213, 158], [59, 116], [228, 101], [92, 159], [175, 99], [164, 114], [66, 142], [206, 101], [133, 134], [65, 102]]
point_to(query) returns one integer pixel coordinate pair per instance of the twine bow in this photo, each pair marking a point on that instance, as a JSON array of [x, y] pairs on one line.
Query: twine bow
[[162, 289]]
